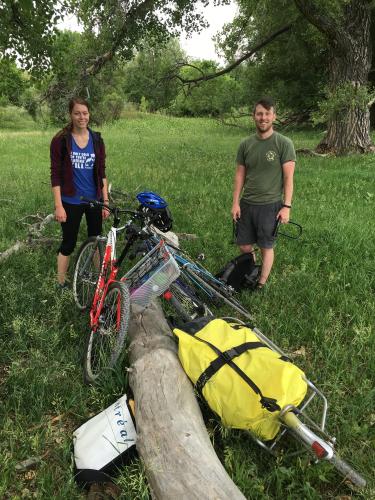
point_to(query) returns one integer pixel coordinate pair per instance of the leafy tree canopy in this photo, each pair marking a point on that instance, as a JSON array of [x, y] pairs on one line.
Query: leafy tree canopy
[[147, 75], [27, 28], [12, 83], [215, 98], [291, 68]]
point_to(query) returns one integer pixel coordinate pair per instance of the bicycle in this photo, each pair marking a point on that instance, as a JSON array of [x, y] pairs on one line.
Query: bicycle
[[196, 291], [95, 284]]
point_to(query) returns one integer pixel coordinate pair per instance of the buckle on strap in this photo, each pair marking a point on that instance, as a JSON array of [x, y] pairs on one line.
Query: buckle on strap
[[229, 354], [269, 404]]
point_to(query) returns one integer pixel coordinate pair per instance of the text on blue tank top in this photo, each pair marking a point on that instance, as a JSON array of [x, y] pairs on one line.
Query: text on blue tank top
[[83, 160]]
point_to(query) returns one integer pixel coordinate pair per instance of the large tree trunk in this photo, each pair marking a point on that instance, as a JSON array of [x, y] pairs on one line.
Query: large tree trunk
[[372, 70], [172, 439], [349, 65]]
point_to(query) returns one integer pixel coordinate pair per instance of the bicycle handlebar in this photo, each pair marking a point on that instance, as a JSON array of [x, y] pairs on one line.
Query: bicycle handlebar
[[277, 225], [113, 210]]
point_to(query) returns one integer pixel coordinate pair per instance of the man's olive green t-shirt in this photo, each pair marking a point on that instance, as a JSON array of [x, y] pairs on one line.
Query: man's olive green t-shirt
[[263, 159]]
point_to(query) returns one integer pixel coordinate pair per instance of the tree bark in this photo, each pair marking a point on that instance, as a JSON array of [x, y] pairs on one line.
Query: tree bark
[[171, 436], [349, 64]]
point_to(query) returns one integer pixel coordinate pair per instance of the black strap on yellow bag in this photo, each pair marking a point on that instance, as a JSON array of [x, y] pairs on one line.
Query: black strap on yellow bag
[[226, 357]]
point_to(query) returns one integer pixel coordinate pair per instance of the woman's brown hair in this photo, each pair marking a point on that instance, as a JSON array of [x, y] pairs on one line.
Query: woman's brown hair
[[78, 100], [73, 101]]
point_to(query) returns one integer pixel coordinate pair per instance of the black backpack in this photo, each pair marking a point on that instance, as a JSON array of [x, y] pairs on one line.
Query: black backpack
[[240, 272]]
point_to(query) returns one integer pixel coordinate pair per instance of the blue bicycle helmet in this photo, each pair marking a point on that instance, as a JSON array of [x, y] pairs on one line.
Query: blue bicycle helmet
[[149, 199], [156, 208]]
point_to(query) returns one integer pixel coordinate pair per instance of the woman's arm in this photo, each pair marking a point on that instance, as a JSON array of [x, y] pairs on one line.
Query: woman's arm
[[105, 213], [60, 214]]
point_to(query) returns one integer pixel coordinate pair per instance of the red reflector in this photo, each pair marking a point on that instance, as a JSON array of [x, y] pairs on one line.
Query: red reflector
[[318, 449], [167, 295]]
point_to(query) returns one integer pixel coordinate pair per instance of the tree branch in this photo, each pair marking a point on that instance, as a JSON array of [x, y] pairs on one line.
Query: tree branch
[[34, 235], [136, 11], [325, 23], [243, 58]]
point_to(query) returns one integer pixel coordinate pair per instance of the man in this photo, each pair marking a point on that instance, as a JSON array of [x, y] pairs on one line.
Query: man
[[264, 177]]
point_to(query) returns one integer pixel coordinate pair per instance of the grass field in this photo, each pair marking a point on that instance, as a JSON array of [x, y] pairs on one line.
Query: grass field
[[319, 302]]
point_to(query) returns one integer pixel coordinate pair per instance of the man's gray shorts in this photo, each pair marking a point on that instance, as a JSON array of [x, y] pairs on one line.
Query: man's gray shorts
[[257, 224]]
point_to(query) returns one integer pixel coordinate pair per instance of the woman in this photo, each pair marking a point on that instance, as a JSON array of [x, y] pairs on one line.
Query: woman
[[77, 169]]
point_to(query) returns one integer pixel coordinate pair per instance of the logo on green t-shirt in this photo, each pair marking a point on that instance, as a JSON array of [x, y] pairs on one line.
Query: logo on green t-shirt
[[270, 155]]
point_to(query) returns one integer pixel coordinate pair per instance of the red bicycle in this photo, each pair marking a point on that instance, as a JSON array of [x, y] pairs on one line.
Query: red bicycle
[[95, 285]]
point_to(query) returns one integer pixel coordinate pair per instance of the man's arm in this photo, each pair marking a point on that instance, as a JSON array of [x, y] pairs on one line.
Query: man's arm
[[239, 180], [288, 173]]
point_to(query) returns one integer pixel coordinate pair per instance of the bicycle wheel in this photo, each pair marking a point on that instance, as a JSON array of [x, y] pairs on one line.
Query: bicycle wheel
[[105, 344], [86, 271], [185, 302]]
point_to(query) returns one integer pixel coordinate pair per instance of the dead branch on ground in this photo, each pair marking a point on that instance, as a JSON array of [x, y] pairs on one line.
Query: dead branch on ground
[[34, 235]]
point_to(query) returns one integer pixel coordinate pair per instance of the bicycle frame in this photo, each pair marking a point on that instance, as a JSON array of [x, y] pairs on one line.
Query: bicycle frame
[[110, 267], [195, 272], [202, 280], [109, 263], [194, 269]]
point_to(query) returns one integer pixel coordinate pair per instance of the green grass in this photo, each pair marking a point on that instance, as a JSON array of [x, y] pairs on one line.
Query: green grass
[[320, 297], [15, 118]]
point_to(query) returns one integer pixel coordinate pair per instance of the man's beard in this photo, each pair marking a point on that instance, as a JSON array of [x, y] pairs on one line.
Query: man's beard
[[266, 127]]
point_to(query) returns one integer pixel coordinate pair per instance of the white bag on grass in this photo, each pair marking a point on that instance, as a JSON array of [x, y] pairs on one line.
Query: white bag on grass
[[105, 442]]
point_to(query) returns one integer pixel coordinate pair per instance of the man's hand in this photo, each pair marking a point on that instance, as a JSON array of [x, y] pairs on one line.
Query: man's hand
[[236, 212], [283, 215], [60, 214]]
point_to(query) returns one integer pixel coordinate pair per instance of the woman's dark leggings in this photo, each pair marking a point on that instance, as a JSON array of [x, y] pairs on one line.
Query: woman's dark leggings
[[70, 228]]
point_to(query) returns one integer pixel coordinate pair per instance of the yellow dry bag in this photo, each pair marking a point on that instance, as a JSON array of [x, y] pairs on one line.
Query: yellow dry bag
[[244, 381]]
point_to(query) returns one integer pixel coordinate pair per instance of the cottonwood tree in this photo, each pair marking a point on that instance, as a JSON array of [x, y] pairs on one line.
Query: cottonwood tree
[[345, 27], [113, 30], [116, 26], [289, 67]]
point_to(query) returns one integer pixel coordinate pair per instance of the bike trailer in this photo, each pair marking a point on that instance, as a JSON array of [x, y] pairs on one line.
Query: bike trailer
[[242, 379]]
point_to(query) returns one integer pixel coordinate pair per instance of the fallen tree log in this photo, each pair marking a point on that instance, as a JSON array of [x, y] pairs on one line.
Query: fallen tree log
[[172, 439]]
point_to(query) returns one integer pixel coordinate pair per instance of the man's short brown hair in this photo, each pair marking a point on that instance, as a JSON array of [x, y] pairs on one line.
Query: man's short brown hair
[[266, 102]]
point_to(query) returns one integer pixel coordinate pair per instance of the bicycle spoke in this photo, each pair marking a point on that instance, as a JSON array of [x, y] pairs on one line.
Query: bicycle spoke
[[86, 272]]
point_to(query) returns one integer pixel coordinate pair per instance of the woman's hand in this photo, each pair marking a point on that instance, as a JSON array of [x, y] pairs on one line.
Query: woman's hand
[[105, 213], [60, 214]]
